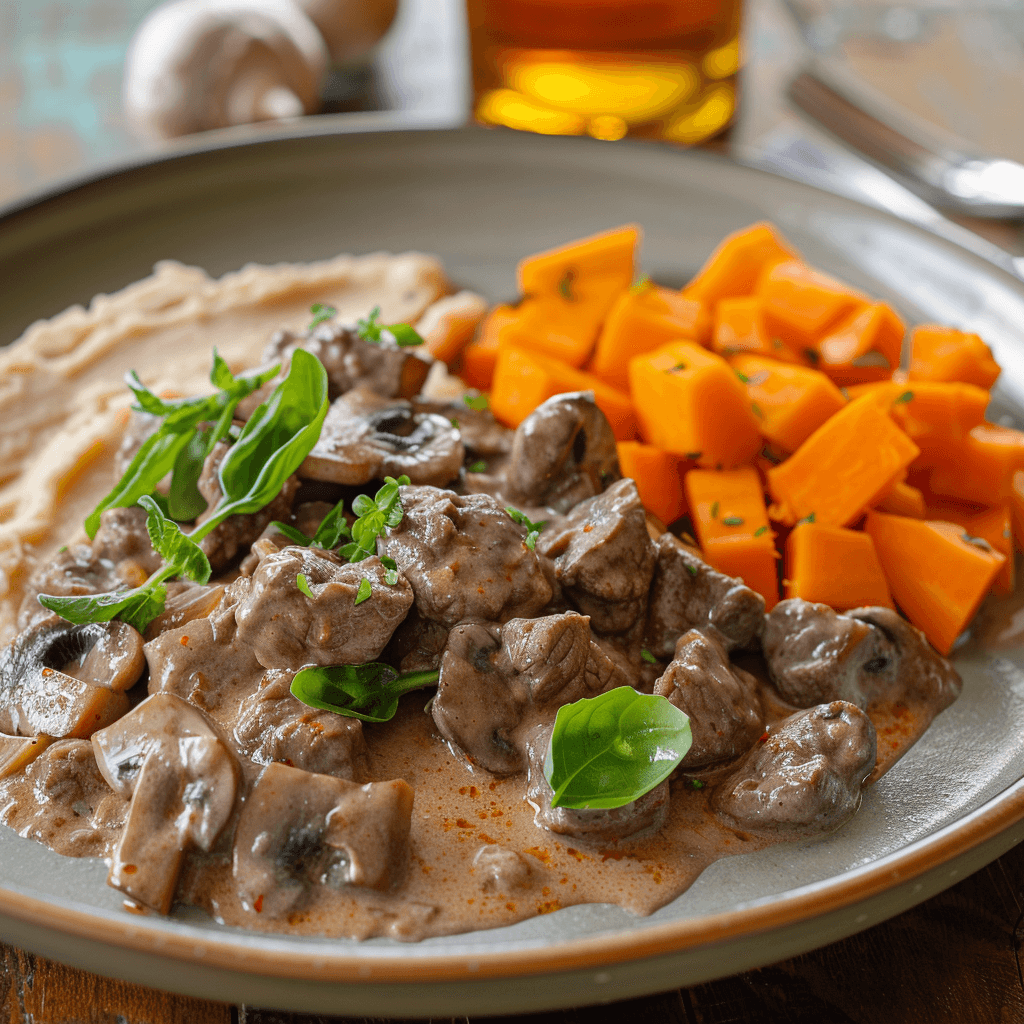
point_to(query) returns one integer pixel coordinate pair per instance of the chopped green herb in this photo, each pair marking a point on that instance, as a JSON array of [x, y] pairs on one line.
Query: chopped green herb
[[321, 312], [295, 535], [478, 402], [694, 456], [391, 570], [678, 366], [364, 591], [714, 510], [776, 343], [806, 519], [566, 283], [756, 409], [532, 529], [907, 396], [691, 569], [697, 784], [773, 457], [370, 329], [642, 285], [732, 521], [648, 657], [845, 393], [744, 379], [303, 584], [455, 423], [760, 530], [478, 467], [610, 750], [384, 509], [62, 549]]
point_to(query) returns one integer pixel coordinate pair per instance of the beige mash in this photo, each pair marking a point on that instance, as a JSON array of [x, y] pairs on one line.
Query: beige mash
[[63, 403]]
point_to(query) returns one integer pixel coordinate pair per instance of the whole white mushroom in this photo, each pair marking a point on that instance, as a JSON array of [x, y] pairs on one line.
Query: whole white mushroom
[[200, 64]]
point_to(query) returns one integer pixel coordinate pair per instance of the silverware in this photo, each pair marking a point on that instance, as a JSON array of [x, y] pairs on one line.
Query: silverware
[[969, 183]]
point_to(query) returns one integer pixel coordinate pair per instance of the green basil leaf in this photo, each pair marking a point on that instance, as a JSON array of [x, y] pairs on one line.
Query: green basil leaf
[[610, 750], [147, 401], [354, 553], [275, 440], [321, 312], [294, 535], [369, 329], [363, 505], [184, 501], [152, 462], [137, 607], [175, 547], [405, 335], [364, 591], [303, 584], [332, 528], [220, 373], [477, 402], [368, 692]]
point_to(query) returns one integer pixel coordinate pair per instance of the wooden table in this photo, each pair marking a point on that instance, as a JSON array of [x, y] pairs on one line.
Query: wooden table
[[954, 958]]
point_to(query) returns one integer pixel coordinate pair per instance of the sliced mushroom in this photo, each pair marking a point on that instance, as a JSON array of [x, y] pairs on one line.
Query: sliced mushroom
[[16, 752], [182, 778], [38, 697], [366, 438], [299, 831], [563, 452]]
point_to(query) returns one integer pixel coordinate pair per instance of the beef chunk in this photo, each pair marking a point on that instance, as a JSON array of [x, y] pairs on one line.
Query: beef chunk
[[385, 368], [465, 558], [816, 655], [285, 628], [120, 556], [482, 435], [272, 725], [604, 558], [686, 593], [806, 778], [923, 674], [493, 677], [367, 438], [721, 700], [417, 644], [236, 534], [647, 813], [563, 452], [299, 831]]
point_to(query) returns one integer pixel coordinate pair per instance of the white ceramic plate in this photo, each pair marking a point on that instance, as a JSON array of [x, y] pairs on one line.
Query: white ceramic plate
[[481, 200]]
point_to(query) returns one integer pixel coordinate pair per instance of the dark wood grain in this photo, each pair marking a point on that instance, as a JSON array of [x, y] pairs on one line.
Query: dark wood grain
[[951, 960]]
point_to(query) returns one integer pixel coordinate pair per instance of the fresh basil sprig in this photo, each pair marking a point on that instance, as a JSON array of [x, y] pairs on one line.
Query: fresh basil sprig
[[277, 437], [371, 330], [368, 692], [173, 446], [333, 527], [610, 750], [321, 312], [382, 510], [532, 529]]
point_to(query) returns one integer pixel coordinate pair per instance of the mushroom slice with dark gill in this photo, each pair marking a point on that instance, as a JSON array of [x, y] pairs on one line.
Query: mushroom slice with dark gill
[[367, 438], [563, 452], [721, 700], [465, 558], [806, 778], [51, 684], [298, 832], [815, 655], [604, 558], [647, 813], [686, 593], [287, 628], [168, 757]]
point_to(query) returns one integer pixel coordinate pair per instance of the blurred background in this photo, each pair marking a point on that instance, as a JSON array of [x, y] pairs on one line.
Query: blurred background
[[86, 83]]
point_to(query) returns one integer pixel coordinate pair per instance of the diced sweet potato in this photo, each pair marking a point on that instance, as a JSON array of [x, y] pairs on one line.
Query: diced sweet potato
[[945, 354], [981, 467], [728, 512], [835, 566], [658, 477], [791, 402], [866, 346], [843, 468], [690, 402], [936, 574]]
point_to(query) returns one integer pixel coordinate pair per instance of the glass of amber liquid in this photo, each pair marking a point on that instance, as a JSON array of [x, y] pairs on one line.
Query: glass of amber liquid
[[663, 69]]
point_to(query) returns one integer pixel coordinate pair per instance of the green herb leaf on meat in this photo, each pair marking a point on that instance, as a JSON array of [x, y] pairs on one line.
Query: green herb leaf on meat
[[532, 529], [368, 692], [610, 750]]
